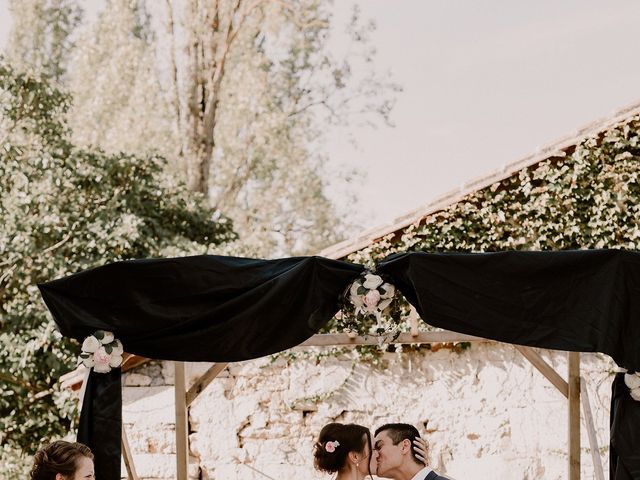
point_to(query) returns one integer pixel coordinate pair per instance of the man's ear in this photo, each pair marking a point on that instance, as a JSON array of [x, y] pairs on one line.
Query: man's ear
[[406, 446]]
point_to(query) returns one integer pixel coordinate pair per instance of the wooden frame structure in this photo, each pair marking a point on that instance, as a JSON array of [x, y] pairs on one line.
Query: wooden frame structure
[[573, 389]]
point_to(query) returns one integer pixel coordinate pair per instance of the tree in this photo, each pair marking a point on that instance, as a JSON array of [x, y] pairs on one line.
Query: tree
[[41, 35], [63, 209], [251, 90], [118, 103], [254, 98]]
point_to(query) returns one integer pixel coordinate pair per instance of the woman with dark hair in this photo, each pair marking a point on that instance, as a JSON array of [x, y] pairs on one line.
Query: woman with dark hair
[[344, 449], [62, 460]]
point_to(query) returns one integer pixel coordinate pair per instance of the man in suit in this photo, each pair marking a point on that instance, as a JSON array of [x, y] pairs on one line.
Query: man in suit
[[395, 456]]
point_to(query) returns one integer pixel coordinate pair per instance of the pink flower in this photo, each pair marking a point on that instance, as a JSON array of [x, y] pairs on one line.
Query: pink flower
[[371, 299], [101, 361], [331, 446]]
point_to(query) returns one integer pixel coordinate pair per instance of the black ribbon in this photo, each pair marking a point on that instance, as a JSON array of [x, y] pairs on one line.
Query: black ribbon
[[624, 449], [101, 422]]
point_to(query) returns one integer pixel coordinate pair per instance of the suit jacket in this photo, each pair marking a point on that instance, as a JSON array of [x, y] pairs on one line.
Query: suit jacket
[[434, 476]]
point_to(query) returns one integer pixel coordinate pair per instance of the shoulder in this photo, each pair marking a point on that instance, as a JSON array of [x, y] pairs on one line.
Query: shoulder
[[435, 476]]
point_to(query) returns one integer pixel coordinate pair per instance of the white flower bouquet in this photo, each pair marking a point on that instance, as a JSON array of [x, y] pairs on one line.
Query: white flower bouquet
[[370, 305], [101, 351]]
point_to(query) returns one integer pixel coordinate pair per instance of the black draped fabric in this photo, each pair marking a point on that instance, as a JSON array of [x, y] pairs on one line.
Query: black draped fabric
[[223, 309], [101, 422], [586, 300], [202, 308], [624, 451]]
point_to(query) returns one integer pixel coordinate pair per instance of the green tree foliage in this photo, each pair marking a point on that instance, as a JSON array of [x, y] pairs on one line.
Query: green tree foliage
[[65, 208]]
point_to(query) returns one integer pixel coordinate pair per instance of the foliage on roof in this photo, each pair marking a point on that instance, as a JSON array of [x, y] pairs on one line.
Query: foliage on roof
[[588, 199]]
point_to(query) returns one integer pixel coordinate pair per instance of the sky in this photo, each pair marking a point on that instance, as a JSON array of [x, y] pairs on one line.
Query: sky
[[484, 84]]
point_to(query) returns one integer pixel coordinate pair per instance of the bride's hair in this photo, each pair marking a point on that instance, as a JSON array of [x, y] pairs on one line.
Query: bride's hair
[[58, 457], [335, 442]]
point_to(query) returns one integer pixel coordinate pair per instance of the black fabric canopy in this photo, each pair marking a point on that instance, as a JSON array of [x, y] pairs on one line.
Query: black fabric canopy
[[202, 308], [221, 309]]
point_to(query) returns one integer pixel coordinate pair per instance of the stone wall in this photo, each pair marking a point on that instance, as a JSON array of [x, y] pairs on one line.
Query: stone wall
[[486, 412]]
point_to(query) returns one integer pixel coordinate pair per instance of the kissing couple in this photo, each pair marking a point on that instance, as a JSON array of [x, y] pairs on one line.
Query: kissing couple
[[396, 452]]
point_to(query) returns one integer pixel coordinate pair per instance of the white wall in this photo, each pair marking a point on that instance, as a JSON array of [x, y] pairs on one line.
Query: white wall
[[486, 412]]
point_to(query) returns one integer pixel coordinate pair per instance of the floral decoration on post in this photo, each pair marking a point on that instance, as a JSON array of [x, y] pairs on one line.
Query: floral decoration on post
[[367, 303], [633, 382], [101, 351]]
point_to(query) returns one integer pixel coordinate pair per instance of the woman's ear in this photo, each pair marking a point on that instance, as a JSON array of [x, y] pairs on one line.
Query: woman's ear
[[59, 476], [353, 457]]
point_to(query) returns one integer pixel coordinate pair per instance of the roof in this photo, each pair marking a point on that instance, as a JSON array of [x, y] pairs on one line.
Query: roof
[[559, 148]]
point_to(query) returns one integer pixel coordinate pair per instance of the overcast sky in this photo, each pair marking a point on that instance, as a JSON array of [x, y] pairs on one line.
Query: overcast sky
[[485, 83]]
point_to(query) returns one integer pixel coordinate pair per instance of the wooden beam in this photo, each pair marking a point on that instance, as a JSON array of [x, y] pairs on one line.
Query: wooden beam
[[128, 458], [574, 416], [202, 382], [182, 419], [544, 368], [591, 431], [336, 339]]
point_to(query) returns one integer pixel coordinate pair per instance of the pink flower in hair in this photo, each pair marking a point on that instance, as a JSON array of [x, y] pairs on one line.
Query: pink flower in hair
[[331, 446]]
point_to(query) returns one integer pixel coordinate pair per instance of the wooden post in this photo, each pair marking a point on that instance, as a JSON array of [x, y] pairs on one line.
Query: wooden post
[[128, 458], [182, 433], [574, 416], [591, 430], [413, 321]]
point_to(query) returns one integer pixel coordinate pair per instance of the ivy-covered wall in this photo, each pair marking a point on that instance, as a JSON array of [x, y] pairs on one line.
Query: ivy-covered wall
[[588, 199]]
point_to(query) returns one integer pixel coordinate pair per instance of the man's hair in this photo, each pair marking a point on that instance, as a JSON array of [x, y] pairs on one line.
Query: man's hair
[[398, 432]]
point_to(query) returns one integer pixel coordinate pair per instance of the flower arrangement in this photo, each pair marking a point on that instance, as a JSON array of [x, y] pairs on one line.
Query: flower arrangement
[[101, 351], [632, 380], [367, 303], [330, 446]]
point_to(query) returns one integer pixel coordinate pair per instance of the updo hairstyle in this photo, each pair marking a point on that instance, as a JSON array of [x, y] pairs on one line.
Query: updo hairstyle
[[331, 457]]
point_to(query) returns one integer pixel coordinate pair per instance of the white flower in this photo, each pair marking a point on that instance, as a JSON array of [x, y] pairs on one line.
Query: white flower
[[389, 290], [384, 303], [372, 281], [87, 362], [115, 361], [90, 344], [353, 294], [635, 394], [116, 345], [101, 361], [632, 380], [371, 299], [108, 338]]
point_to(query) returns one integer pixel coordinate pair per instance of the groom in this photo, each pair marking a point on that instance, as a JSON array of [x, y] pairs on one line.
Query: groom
[[395, 458]]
